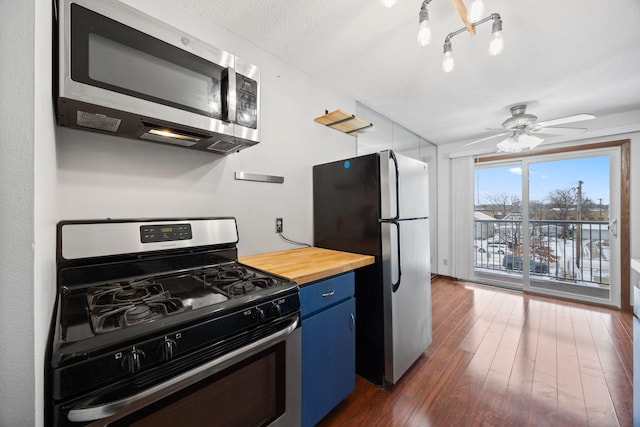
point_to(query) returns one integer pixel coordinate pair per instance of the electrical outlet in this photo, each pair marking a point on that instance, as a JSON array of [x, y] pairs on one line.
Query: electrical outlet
[[445, 261], [279, 225]]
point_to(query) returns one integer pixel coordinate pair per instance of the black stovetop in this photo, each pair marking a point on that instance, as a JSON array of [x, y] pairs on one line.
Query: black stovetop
[[124, 308]]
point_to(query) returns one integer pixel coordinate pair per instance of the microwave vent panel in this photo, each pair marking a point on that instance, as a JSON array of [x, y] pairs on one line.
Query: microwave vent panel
[[97, 121], [226, 147]]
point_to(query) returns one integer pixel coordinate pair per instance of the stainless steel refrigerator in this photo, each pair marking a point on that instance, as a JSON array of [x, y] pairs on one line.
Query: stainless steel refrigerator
[[378, 205]]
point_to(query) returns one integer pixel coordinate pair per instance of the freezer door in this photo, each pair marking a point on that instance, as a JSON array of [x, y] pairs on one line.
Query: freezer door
[[346, 205], [404, 187], [407, 309]]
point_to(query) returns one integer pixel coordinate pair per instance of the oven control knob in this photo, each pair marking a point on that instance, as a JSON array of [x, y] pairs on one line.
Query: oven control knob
[[277, 310], [260, 315], [167, 349], [132, 362]]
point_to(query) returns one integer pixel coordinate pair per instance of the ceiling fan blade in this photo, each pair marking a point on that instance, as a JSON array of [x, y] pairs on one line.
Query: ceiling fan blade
[[568, 119], [487, 138], [557, 131]]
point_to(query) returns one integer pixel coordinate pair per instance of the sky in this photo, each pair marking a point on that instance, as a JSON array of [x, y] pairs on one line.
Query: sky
[[545, 177]]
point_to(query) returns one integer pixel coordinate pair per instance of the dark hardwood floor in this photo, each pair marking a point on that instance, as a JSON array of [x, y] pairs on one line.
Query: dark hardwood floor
[[503, 358]]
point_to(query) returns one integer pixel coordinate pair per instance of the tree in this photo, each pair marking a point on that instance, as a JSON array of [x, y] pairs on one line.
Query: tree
[[537, 210], [561, 202], [501, 204]]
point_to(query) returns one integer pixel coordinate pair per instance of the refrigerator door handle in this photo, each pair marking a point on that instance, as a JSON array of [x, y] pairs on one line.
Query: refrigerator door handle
[[396, 285], [396, 217], [397, 170], [395, 163]]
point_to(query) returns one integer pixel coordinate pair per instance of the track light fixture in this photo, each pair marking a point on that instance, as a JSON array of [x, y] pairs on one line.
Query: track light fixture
[[497, 44], [471, 21], [424, 32], [447, 61], [495, 47]]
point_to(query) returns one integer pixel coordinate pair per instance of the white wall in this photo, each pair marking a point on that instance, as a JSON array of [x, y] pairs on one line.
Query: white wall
[[102, 176], [27, 192], [16, 209], [445, 203], [45, 198]]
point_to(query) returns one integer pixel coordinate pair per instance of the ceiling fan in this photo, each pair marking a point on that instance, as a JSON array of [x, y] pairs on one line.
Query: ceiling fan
[[521, 127]]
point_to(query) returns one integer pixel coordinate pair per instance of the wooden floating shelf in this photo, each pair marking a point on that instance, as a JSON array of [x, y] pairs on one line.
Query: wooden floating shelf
[[344, 122]]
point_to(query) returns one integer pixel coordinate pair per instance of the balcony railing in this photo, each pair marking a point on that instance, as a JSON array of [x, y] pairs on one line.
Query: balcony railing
[[567, 251]]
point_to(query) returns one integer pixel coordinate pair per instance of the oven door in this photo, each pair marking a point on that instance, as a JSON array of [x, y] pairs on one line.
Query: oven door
[[256, 385]]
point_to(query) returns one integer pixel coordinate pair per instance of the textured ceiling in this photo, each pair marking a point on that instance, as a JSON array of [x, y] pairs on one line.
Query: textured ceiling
[[560, 57]]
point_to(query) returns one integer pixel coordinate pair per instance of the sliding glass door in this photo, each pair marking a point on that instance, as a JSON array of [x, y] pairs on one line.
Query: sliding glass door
[[498, 220], [548, 224]]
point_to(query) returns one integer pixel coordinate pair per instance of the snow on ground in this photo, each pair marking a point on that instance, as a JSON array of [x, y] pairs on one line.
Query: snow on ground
[[594, 271]]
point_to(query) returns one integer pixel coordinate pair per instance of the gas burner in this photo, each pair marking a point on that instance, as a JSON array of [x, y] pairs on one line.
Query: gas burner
[[223, 275], [139, 312], [131, 294], [121, 305], [243, 287]]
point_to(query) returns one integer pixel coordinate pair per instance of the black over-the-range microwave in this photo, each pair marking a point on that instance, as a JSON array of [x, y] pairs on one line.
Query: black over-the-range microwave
[[125, 73]]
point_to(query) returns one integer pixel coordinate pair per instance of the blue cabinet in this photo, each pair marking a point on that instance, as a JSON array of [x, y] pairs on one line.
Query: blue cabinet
[[328, 345]]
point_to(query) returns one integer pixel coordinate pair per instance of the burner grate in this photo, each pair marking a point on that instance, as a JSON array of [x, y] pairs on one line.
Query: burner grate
[[233, 280], [121, 305]]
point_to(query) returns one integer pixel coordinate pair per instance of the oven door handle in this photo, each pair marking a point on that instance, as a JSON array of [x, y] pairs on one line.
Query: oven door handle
[[92, 413]]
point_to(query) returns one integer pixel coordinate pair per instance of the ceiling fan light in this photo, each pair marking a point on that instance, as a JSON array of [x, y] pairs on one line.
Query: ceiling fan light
[[447, 60], [529, 141], [509, 145], [388, 3], [517, 143], [476, 11]]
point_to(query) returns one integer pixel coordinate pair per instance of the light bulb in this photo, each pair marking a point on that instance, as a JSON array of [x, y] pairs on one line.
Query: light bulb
[[476, 11], [529, 141], [424, 33], [497, 43], [447, 61], [388, 3]]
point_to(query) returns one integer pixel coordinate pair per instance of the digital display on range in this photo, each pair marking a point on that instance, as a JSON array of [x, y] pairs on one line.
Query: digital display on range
[[165, 233]]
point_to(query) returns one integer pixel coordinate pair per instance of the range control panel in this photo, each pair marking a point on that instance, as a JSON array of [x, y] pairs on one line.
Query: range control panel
[[165, 233]]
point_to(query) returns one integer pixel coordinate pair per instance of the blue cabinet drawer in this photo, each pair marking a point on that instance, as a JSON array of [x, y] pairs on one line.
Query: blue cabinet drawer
[[318, 295]]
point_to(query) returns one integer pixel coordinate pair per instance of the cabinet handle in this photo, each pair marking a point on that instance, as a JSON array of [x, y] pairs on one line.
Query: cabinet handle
[[352, 324], [328, 294]]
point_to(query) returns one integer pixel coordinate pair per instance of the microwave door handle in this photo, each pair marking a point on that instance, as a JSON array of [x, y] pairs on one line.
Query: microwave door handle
[[232, 95]]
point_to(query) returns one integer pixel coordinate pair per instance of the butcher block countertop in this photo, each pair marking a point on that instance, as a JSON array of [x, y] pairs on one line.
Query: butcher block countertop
[[307, 264]]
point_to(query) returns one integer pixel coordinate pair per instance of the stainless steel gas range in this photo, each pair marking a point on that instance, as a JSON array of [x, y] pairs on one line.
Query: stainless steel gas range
[[157, 323]]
